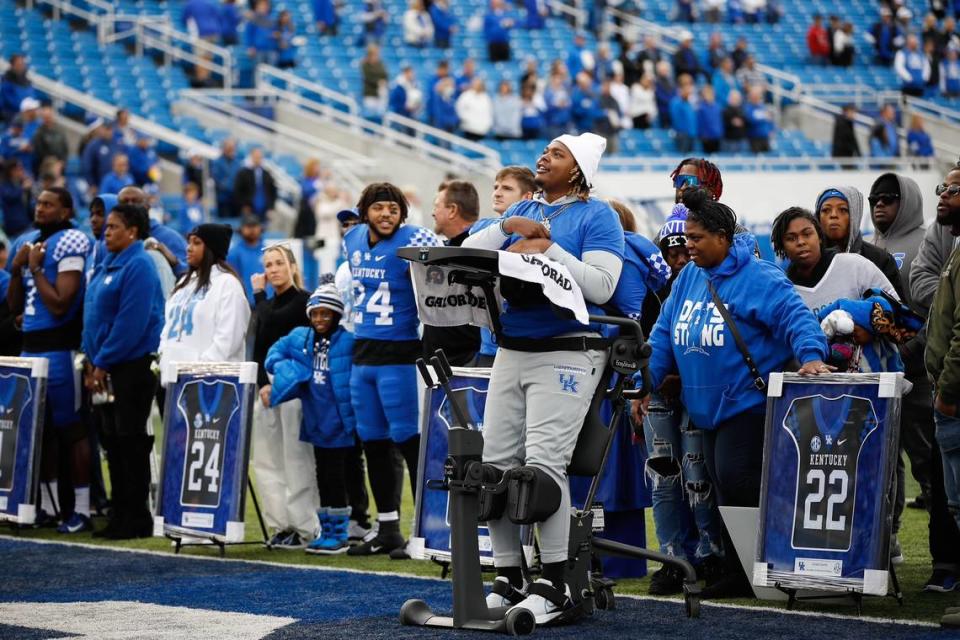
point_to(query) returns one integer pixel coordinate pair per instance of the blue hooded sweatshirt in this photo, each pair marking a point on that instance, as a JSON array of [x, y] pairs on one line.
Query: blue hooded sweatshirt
[[123, 309], [205, 14], [644, 269], [690, 337], [328, 419]]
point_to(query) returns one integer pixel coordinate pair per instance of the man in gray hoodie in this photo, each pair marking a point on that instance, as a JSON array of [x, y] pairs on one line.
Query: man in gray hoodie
[[896, 208], [937, 245]]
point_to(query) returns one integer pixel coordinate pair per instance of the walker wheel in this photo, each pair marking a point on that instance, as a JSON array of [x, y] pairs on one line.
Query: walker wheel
[[604, 599], [691, 604], [415, 613], [520, 622]]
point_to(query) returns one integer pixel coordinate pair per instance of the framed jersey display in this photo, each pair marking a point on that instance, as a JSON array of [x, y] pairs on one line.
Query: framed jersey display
[[23, 385], [431, 525], [829, 453], [206, 447]]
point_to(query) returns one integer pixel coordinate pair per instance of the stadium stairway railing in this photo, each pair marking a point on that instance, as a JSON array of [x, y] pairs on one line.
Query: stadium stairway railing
[[404, 150], [250, 112], [430, 143], [62, 96], [405, 138], [788, 90], [152, 34], [149, 34]]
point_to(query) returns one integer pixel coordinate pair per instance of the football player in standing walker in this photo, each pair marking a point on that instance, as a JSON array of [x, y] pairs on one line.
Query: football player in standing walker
[[548, 368]]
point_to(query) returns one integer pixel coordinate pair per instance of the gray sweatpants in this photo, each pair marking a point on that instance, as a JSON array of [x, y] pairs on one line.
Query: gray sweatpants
[[536, 404]]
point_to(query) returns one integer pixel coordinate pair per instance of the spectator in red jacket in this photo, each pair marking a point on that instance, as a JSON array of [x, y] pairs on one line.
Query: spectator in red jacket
[[818, 42]]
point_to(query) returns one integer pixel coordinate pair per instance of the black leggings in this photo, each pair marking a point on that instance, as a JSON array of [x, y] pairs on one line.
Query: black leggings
[[385, 482], [331, 475], [734, 456]]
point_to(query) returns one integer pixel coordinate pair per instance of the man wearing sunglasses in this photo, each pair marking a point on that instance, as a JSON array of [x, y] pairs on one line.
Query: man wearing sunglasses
[[896, 208], [938, 243], [697, 172]]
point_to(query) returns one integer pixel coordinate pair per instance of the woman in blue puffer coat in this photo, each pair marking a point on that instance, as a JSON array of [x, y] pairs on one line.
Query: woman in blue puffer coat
[[313, 364]]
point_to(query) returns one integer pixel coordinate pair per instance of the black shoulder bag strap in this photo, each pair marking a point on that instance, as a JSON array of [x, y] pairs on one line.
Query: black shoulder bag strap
[[758, 381]]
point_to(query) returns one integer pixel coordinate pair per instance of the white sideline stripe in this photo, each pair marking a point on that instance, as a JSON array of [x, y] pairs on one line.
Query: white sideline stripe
[[126, 619], [310, 567]]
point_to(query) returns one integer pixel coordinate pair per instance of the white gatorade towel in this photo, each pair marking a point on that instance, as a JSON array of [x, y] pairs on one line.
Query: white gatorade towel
[[554, 278]]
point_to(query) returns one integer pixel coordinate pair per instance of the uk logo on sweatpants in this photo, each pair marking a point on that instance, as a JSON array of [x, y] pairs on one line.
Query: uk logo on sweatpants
[[569, 378]]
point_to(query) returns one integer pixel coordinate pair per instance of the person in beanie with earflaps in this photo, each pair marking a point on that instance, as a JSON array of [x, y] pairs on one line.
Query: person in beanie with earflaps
[[313, 364], [542, 381]]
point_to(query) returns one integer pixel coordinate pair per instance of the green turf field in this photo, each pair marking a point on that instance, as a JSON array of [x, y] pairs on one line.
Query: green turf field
[[917, 604]]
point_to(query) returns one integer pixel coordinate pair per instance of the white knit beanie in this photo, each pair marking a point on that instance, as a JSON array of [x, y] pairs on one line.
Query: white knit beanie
[[586, 149]]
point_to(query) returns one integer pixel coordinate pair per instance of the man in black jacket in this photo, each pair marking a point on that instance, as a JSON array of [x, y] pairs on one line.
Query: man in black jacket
[[254, 190], [455, 209], [845, 143]]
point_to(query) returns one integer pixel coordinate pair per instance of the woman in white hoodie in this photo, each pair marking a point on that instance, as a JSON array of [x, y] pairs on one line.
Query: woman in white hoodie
[[475, 110], [207, 314]]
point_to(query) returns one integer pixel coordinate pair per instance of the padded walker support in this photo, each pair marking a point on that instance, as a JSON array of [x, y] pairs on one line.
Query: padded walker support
[[532, 495]]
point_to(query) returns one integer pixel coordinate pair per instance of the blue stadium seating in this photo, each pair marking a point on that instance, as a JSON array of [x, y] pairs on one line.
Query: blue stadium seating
[[111, 74]]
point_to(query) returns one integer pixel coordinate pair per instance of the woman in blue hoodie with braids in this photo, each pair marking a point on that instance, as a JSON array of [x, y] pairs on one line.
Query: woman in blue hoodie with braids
[[691, 339]]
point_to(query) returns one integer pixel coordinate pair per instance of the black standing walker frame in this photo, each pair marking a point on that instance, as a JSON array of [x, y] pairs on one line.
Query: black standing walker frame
[[463, 476]]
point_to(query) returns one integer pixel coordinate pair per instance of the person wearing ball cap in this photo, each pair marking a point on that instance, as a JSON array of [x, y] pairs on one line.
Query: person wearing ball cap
[[542, 380], [313, 364]]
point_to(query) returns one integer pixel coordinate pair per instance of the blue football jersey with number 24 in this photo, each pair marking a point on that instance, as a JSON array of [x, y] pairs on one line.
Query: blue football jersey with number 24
[[384, 305]]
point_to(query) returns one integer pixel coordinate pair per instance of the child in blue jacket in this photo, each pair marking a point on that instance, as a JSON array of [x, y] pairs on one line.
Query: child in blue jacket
[[313, 364]]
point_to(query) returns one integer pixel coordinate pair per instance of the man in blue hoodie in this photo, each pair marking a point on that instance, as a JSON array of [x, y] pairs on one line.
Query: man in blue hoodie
[[710, 121], [444, 24], [683, 116], [759, 118], [246, 255], [203, 18], [496, 30], [119, 177], [46, 286], [258, 35]]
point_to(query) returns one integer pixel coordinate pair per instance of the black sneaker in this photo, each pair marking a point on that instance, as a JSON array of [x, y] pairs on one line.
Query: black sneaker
[[278, 538], [383, 543], [667, 581], [920, 502], [45, 520], [731, 584], [400, 554], [941, 581], [713, 569]]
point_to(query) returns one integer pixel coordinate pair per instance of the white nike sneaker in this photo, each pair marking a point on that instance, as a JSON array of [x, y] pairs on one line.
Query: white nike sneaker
[[503, 594], [545, 601]]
